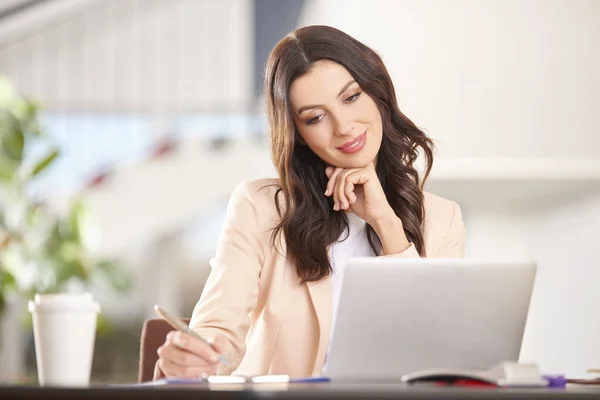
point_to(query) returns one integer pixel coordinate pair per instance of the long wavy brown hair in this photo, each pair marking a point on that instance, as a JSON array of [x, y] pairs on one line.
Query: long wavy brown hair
[[308, 222]]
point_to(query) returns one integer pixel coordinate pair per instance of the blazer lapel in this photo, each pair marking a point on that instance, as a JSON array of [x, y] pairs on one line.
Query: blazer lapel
[[320, 294]]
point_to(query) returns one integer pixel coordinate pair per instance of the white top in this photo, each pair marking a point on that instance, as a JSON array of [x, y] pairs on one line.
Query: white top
[[356, 245]]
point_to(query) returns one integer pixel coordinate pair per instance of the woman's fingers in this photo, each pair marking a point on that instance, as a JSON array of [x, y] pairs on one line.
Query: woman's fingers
[[344, 202], [331, 184], [357, 177], [186, 356], [176, 362], [332, 174], [329, 170], [170, 369], [218, 343], [181, 357], [341, 186], [349, 188], [192, 345]]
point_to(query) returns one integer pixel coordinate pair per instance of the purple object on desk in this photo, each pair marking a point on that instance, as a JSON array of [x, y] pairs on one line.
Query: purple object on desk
[[555, 381]]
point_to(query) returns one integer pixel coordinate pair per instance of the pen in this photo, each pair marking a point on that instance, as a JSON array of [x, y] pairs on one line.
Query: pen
[[311, 379], [176, 323]]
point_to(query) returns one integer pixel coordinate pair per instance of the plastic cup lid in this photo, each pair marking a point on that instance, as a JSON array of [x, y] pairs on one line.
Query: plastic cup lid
[[60, 302]]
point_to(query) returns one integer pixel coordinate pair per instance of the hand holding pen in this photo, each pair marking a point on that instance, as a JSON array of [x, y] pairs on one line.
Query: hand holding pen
[[185, 354]]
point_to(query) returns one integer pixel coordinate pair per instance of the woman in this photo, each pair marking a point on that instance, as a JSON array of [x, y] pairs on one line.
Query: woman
[[347, 187]]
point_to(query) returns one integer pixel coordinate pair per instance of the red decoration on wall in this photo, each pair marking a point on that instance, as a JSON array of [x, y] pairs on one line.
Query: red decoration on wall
[[97, 180], [164, 147]]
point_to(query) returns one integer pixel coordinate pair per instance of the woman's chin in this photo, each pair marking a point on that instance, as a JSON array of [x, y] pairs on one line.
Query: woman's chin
[[358, 162]]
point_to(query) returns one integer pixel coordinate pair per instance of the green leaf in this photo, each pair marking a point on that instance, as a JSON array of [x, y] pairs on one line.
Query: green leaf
[[76, 220], [9, 123], [7, 280], [12, 143], [8, 169], [114, 275], [35, 214], [45, 162], [70, 251], [80, 226], [54, 238], [64, 271], [26, 111], [7, 91], [12, 259], [69, 226], [104, 327], [7, 283]]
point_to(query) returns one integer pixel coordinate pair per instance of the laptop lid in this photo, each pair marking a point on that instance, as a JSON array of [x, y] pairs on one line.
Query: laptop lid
[[398, 316]]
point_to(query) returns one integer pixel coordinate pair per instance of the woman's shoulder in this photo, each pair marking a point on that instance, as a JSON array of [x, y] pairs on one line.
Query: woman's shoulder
[[259, 195], [437, 205], [441, 214], [258, 190]]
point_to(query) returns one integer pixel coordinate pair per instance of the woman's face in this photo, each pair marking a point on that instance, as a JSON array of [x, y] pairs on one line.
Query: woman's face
[[338, 121]]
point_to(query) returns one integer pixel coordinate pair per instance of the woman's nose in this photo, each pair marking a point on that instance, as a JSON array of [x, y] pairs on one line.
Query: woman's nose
[[344, 127], [348, 130]]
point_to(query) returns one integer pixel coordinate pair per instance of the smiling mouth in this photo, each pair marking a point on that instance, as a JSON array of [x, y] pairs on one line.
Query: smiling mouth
[[353, 143]]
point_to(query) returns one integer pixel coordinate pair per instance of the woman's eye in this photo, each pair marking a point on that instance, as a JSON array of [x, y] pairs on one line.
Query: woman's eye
[[314, 120], [353, 97]]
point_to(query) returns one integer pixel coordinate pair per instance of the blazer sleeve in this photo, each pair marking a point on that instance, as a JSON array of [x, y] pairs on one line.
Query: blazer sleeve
[[453, 244], [231, 291]]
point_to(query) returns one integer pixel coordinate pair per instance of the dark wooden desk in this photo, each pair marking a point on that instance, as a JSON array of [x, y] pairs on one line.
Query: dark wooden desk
[[298, 391]]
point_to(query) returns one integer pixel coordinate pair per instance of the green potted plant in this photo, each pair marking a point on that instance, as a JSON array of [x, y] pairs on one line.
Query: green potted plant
[[40, 251]]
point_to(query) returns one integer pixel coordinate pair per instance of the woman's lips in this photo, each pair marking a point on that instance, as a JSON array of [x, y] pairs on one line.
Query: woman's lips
[[356, 145]]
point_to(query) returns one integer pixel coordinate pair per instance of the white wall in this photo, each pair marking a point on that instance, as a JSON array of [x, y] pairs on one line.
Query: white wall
[[564, 326], [508, 78], [139, 55]]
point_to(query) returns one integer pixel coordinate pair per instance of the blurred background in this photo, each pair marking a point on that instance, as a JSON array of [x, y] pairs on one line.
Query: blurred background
[[152, 112]]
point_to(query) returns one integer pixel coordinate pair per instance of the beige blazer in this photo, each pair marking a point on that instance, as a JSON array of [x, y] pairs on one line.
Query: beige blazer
[[253, 296]]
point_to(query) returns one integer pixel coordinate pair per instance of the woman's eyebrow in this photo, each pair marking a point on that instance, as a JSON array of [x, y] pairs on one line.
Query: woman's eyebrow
[[306, 108]]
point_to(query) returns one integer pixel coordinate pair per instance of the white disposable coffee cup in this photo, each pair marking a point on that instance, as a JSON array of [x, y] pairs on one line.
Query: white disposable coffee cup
[[64, 330]]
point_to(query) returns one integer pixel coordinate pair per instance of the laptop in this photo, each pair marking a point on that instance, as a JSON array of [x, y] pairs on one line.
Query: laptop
[[399, 316]]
